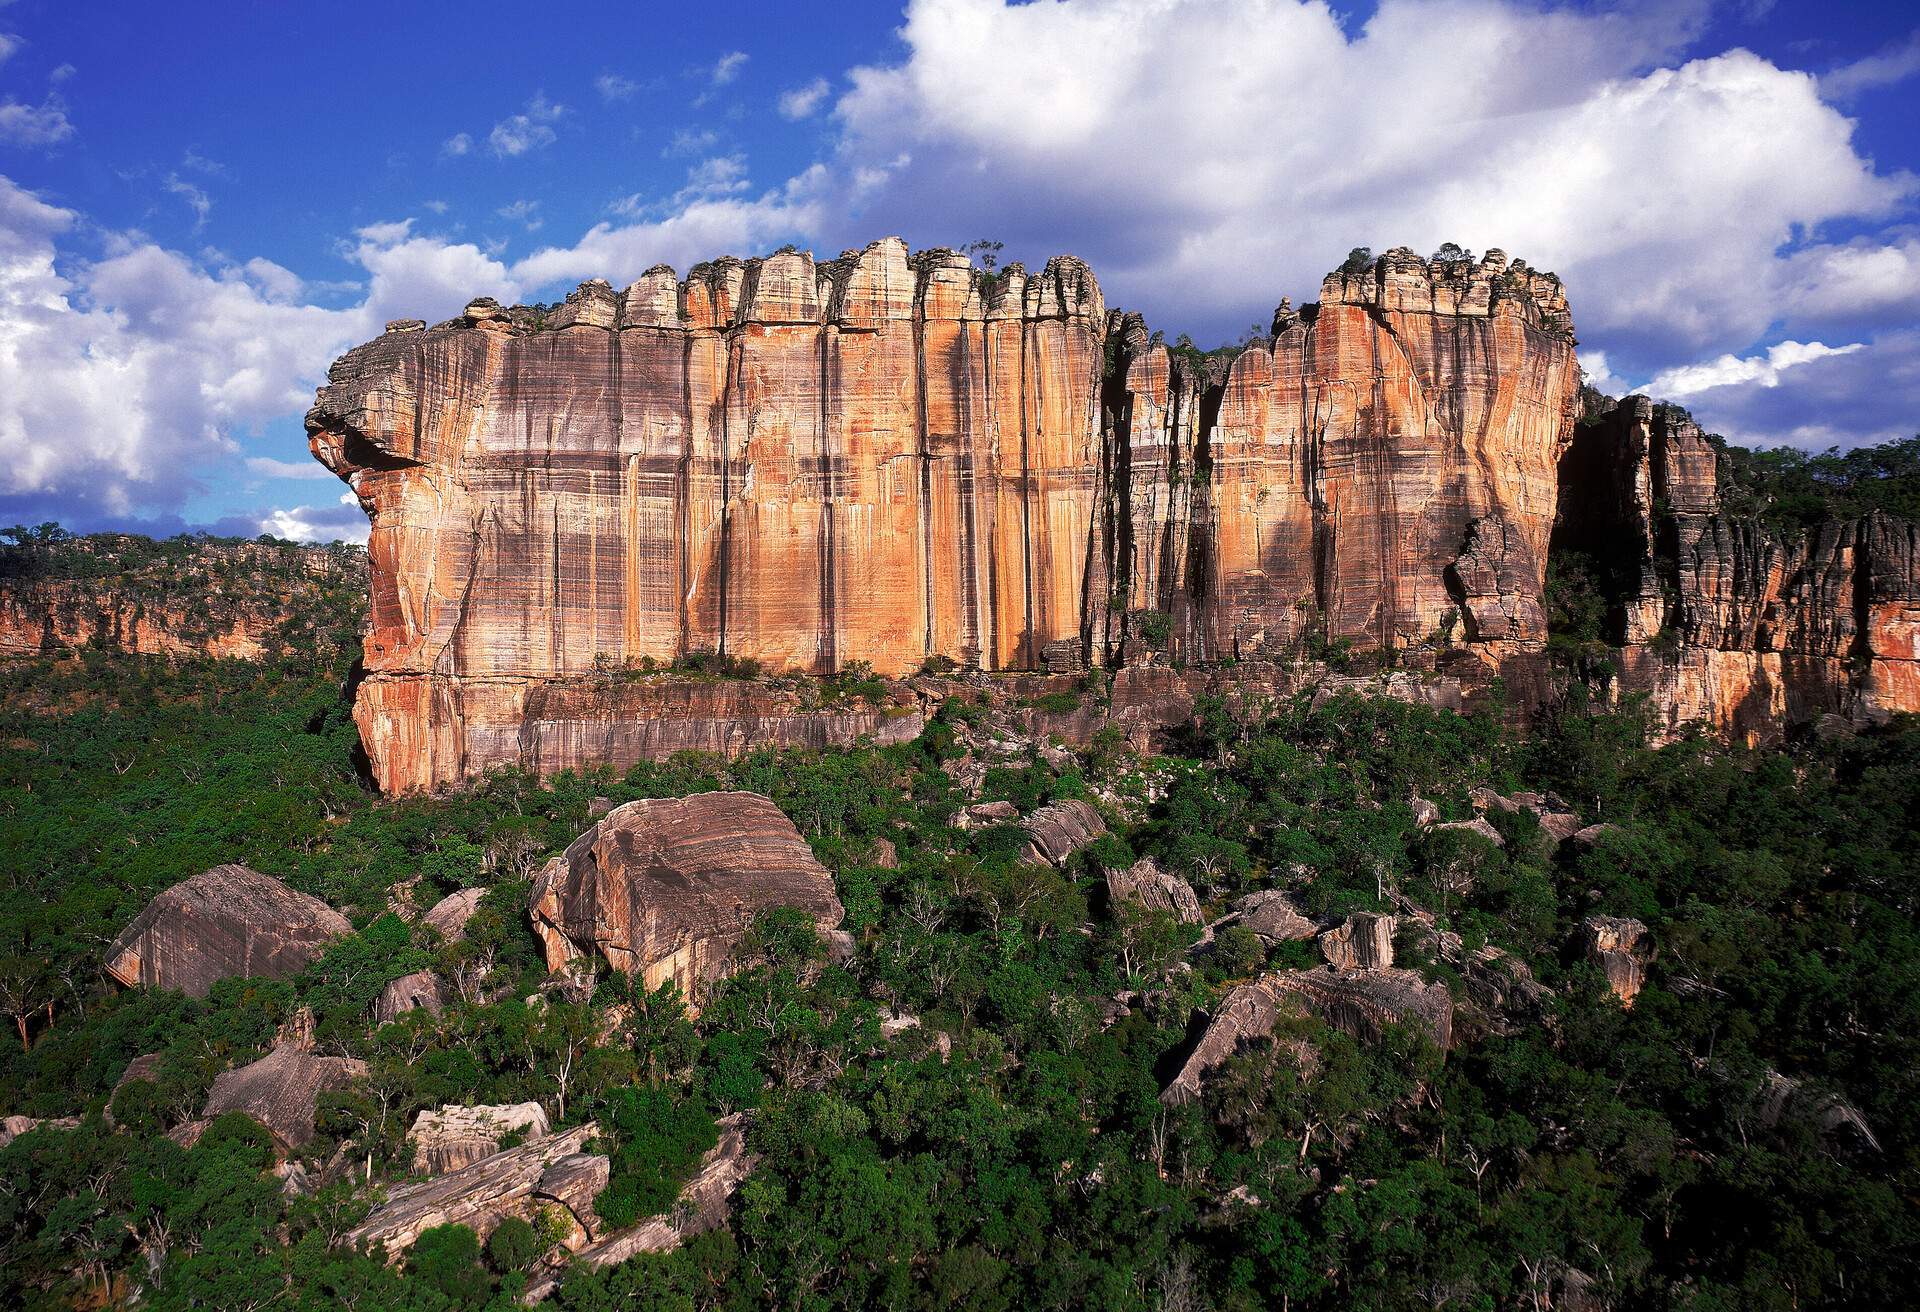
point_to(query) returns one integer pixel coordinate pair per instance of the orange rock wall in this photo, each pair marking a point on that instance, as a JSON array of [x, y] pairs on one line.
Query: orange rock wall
[[891, 460]]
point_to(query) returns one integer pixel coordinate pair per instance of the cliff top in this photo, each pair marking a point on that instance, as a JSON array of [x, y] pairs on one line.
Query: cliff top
[[886, 280]]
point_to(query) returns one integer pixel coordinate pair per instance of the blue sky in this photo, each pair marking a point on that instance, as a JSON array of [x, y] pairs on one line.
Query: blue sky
[[202, 204]]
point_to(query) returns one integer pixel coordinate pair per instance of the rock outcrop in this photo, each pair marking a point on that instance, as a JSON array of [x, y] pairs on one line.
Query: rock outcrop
[[664, 888], [1363, 941], [1146, 884], [1721, 619], [1360, 1003], [1272, 915], [449, 916], [12, 1127], [701, 1206], [281, 1091], [895, 461], [482, 1194], [449, 1138], [1621, 949], [420, 990], [1059, 829], [889, 459], [224, 922], [185, 597]]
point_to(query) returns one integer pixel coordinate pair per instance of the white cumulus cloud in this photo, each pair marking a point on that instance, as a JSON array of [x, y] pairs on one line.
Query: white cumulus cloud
[[1763, 370], [801, 102], [526, 131]]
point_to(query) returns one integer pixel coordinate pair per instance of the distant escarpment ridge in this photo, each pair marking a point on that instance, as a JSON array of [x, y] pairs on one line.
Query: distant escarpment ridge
[[189, 596], [897, 463]]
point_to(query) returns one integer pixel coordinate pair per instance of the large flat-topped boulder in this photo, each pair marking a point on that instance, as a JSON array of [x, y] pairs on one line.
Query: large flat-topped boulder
[[225, 922], [664, 888], [281, 1090]]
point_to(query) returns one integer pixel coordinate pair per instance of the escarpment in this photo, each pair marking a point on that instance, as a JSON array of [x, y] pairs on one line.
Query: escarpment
[[1722, 619], [895, 462]]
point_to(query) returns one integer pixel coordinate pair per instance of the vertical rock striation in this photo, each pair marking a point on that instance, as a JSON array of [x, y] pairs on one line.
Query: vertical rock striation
[[894, 459], [1722, 620], [890, 458]]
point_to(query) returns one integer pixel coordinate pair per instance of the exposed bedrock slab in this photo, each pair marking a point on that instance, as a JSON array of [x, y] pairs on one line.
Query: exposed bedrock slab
[[480, 1195], [224, 922], [281, 1091], [1359, 1002], [664, 888], [452, 1137]]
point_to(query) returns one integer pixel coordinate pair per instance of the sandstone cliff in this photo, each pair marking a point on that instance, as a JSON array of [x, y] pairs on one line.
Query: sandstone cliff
[[1721, 619], [183, 597], [897, 461], [892, 459]]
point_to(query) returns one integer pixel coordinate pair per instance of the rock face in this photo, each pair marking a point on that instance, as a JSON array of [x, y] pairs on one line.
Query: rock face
[[449, 1138], [420, 989], [1364, 941], [449, 916], [1621, 949], [1722, 620], [890, 457], [280, 1091], [227, 921], [12, 1127], [484, 1193], [186, 597], [1145, 884], [702, 1206], [664, 888], [1272, 915], [1059, 829], [1360, 1003]]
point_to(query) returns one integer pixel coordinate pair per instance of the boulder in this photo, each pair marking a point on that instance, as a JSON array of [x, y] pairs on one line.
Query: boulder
[[420, 989], [1782, 1096], [1425, 813], [1146, 884], [1059, 829], [702, 1206], [1555, 819], [983, 815], [1621, 948], [280, 1091], [1360, 1003], [1478, 825], [1272, 916], [452, 912], [1363, 941], [12, 1127], [664, 888], [1592, 834], [1363, 1003], [224, 922], [451, 1137], [480, 1195]]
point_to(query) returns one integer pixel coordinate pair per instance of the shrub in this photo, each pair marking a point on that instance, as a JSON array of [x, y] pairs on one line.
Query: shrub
[[658, 1142], [512, 1246]]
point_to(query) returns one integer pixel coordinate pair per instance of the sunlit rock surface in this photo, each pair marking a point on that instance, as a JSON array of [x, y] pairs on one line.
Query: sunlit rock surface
[[223, 922], [664, 888]]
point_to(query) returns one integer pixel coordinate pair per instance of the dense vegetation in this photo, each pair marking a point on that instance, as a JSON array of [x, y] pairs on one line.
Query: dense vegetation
[[1033, 1166]]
